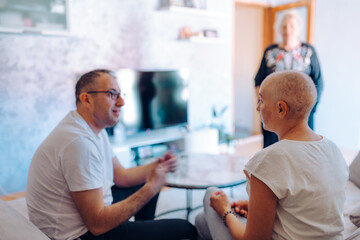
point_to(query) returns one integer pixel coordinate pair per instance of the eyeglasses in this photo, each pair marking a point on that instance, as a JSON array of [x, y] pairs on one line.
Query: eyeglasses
[[113, 94]]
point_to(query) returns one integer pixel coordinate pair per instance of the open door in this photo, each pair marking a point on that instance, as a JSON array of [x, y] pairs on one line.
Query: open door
[[253, 32], [306, 9]]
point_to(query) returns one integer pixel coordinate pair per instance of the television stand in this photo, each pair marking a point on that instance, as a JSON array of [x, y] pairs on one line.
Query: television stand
[[136, 149]]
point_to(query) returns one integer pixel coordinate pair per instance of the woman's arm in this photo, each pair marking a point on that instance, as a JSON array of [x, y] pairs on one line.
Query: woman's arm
[[316, 73], [261, 212]]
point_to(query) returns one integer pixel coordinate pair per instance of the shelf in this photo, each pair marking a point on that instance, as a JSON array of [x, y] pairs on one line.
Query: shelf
[[27, 30], [204, 40], [194, 11], [144, 138], [35, 17], [200, 141], [37, 11]]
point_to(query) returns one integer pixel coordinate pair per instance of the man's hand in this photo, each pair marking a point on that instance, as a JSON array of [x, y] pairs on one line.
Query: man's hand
[[219, 202], [169, 160], [157, 177], [241, 207]]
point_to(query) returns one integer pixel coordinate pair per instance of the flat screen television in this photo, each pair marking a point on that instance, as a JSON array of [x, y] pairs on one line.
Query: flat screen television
[[155, 99]]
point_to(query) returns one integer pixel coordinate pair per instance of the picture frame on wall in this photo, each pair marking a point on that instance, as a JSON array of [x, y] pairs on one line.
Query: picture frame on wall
[[210, 33]]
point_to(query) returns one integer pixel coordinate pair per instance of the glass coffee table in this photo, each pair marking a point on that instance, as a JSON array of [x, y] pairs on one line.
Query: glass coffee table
[[200, 171]]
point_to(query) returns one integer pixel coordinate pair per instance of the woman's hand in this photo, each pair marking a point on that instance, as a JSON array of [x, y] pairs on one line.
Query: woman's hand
[[219, 202], [241, 207]]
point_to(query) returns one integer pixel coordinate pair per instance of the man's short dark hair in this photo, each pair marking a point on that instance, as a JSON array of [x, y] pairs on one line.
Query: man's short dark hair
[[87, 82]]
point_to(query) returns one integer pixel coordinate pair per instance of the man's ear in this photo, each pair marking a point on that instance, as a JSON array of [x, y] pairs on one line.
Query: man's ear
[[282, 109], [84, 98]]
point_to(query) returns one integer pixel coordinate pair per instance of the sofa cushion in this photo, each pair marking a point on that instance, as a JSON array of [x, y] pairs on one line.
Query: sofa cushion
[[355, 235], [352, 198], [354, 170], [16, 226], [355, 217]]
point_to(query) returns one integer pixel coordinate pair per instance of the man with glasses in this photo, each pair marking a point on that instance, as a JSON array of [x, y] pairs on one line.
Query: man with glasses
[[77, 188]]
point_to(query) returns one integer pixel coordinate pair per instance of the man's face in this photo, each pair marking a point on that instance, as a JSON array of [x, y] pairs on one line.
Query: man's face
[[266, 107], [106, 110]]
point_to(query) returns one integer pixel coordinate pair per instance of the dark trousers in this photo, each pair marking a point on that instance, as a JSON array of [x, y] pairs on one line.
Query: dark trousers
[[147, 212], [271, 137], [144, 227]]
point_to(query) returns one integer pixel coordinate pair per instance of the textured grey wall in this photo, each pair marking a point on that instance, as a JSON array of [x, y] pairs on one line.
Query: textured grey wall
[[38, 73]]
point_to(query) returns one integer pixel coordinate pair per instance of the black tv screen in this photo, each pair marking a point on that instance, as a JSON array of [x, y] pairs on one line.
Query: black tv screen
[[154, 99]]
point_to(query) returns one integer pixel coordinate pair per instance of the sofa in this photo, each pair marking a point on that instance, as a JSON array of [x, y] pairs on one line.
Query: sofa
[[14, 225], [352, 204], [14, 222]]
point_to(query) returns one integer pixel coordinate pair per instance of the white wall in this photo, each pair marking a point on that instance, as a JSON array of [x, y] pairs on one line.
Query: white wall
[[337, 38], [248, 51], [38, 72]]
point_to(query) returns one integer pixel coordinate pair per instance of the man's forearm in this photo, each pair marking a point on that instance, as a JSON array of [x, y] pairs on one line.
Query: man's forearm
[[133, 176], [114, 215]]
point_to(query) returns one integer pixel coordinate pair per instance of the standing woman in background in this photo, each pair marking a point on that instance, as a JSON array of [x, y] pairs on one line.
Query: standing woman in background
[[290, 54]]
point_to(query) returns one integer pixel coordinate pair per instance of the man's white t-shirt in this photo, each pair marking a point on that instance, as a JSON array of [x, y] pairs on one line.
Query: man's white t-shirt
[[72, 158], [309, 180]]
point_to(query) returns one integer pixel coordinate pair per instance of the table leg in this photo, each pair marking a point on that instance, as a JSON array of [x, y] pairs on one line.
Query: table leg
[[188, 202], [189, 208]]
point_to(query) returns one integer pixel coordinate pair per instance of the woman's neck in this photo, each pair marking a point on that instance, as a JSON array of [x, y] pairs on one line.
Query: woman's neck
[[299, 131], [290, 45]]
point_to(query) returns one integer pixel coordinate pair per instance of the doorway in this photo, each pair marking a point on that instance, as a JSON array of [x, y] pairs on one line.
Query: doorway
[[253, 32]]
